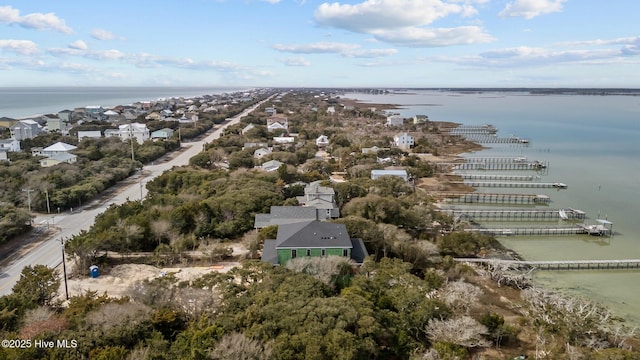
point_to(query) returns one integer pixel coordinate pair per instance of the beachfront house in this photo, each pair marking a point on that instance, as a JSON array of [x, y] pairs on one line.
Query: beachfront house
[[280, 215], [403, 141], [162, 134], [420, 119], [10, 145], [57, 149], [395, 120], [312, 239], [137, 131], [25, 129], [57, 124], [66, 116], [376, 174], [322, 198]]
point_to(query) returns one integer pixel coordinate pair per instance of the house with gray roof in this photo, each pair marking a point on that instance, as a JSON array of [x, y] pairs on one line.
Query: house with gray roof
[[322, 198], [25, 129], [58, 159], [312, 238], [280, 215]]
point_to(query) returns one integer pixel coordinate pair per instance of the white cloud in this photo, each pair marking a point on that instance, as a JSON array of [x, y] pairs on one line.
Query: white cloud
[[425, 37], [101, 34], [346, 50], [271, 1], [531, 8], [78, 45], [87, 53], [23, 47], [633, 40], [295, 61], [38, 21], [385, 14]]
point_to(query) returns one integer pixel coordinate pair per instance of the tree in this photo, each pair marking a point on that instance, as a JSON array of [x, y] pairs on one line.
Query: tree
[[39, 284]]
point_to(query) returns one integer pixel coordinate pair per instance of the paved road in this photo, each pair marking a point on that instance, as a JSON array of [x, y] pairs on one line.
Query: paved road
[[49, 252]]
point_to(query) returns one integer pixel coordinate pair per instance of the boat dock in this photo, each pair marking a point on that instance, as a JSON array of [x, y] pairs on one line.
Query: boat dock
[[497, 177], [490, 139], [534, 231], [472, 129], [496, 159], [501, 184], [536, 165], [517, 214], [495, 198], [558, 265]]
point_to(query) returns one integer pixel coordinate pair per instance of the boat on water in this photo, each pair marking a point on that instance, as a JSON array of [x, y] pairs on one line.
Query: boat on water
[[602, 228], [559, 185], [563, 214]]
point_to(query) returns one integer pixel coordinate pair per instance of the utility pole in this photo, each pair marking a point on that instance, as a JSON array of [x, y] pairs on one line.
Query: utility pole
[[28, 191], [64, 270], [131, 138], [46, 192]]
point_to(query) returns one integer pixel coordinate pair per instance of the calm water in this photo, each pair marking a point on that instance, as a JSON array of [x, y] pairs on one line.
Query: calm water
[[593, 145], [25, 102]]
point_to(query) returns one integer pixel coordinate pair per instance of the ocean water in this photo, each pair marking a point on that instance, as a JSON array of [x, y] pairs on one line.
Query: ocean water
[[16, 102], [593, 146]]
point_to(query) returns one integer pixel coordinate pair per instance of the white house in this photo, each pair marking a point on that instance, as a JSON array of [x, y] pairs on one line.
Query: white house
[[403, 141], [322, 141], [284, 139], [271, 165], [261, 152], [57, 124], [376, 174], [134, 130], [395, 120], [57, 149], [58, 159], [10, 145], [420, 119], [331, 110], [247, 128], [277, 123], [25, 129]]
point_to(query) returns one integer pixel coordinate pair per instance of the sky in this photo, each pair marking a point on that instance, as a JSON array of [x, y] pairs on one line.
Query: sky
[[307, 43]]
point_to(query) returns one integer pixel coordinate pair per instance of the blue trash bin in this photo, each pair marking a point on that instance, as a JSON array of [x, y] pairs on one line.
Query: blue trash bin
[[94, 271]]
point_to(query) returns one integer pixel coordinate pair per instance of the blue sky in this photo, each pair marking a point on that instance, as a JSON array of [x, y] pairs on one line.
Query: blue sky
[[379, 43]]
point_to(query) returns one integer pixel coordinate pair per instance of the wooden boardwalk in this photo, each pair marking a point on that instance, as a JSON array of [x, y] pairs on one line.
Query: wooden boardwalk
[[558, 265], [516, 214], [536, 165], [532, 231], [495, 198], [496, 177], [509, 184]]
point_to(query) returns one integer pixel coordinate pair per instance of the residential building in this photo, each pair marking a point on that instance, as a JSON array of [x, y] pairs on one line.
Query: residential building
[[312, 239], [58, 159], [261, 152], [92, 134], [57, 124], [376, 174], [10, 145], [271, 165], [25, 129], [403, 141], [271, 111], [284, 139], [66, 116], [164, 134], [58, 148], [395, 120], [420, 119], [279, 215], [322, 198], [277, 122], [331, 110], [322, 141], [138, 131]]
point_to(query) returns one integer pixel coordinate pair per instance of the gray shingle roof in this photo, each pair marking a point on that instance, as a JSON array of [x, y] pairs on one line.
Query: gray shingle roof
[[285, 214], [313, 234]]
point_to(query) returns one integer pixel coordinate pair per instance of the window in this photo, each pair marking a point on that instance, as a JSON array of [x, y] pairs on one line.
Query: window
[[345, 252], [293, 253], [324, 252], [308, 252]]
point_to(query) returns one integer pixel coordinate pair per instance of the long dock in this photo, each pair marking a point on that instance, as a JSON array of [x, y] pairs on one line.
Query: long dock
[[535, 231], [559, 265], [517, 214], [495, 198], [536, 165], [502, 184], [489, 139], [472, 129], [497, 177], [496, 159]]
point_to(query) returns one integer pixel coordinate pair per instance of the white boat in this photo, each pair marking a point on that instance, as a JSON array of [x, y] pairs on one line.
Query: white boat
[[559, 185], [563, 214]]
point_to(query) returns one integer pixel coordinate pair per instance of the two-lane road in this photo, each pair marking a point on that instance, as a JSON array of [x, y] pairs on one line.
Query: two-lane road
[[49, 252]]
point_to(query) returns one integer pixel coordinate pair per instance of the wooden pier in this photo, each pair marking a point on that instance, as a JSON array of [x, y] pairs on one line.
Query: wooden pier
[[517, 214], [535, 231], [472, 129], [489, 139], [536, 165], [495, 198], [496, 159], [497, 177], [501, 184], [559, 265]]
